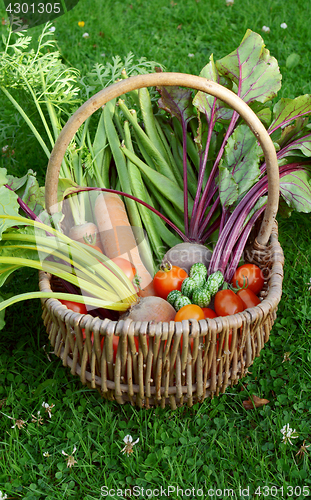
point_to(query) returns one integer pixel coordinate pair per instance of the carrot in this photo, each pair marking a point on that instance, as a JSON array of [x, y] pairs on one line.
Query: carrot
[[117, 236], [86, 233]]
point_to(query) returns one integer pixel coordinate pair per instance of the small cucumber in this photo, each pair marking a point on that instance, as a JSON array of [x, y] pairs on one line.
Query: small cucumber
[[214, 281], [201, 297], [199, 280], [187, 287], [198, 268], [181, 302], [173, 296]]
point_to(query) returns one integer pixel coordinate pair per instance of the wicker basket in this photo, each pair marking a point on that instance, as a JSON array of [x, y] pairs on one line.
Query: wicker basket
[[160, 371]]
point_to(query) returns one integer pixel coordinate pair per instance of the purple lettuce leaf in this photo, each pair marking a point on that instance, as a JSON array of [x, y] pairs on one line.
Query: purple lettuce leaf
[[252, 69], [239, 169], [8, 206], [287, 110], [29, 191], [293, 131], [208, 104], [178, 102], [264, 116], [295, 188], [33, 195], [302, 144]]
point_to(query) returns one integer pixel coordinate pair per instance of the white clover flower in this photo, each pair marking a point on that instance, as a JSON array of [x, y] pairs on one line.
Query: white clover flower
[[288, 434], [85, 35], [70, 460], [48, 408], [3, 496], [129, 443], [52, 29], [38, 419], [284, 26], [5, 148], [46, 454], [303, 449], [190, 55], [229, 2], [265, 29], [17, 423]]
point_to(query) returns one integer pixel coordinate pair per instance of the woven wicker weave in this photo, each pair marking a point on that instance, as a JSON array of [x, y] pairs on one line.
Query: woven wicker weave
[[160, 371]]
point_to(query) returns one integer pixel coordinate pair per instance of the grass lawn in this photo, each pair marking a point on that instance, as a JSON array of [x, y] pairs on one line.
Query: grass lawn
[[213, 450]]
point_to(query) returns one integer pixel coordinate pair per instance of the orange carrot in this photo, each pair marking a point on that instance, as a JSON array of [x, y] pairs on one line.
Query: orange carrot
[[117, 236]]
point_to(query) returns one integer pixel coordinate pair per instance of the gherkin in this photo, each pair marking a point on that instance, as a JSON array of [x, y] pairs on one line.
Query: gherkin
[[187, 287], [201, 297], [173, 296], [214, 281], [181, 302], [199, 280], [198, 268]]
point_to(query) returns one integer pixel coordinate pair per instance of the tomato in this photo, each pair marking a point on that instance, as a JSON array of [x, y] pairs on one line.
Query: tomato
[[251, 274], [74, 306], [190, 311], [227, 303], [168, 279], [209, 313], [127, 267], [248, 298]]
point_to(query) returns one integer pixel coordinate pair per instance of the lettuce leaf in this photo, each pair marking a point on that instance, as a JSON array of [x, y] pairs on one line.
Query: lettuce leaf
[[295, 188], [239, 169], [287, 110], [252, 69]]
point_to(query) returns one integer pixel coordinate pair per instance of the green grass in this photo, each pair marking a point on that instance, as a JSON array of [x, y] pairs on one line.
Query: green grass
[[216, 445]]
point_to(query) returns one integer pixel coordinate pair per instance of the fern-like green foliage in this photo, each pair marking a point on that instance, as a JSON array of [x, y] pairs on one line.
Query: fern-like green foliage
[[39, 72], [103, 75]]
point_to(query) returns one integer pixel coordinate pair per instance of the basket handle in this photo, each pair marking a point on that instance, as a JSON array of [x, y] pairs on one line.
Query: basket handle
[[169, 79]]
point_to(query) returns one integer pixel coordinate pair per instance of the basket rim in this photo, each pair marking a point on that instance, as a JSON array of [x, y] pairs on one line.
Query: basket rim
[[169, 79], [151, 328]]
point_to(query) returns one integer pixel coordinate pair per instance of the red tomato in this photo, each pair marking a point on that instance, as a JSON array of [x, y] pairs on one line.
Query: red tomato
[[249, 274], [167, 280], [74, 306], [209, 313], [227, 303], [127, 267], [248, 298], [190, 311]]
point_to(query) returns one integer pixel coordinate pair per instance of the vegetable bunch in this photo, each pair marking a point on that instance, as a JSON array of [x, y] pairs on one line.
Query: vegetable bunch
[[189, 169], [199, 166]]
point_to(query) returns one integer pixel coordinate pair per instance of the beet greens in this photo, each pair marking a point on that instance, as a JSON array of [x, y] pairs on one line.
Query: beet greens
[[224, 181]]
